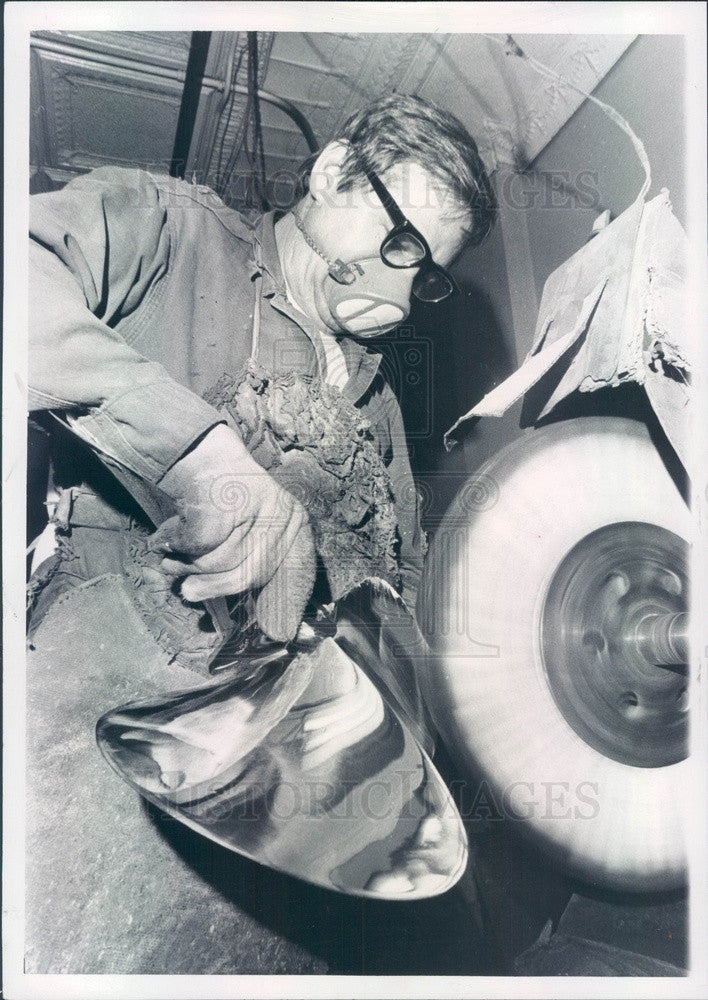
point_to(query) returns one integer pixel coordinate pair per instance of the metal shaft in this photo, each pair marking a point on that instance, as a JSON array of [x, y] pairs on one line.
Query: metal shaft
[[663, 638]]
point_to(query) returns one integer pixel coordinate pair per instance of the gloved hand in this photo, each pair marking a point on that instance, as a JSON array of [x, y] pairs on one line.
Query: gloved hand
[[237, 530]]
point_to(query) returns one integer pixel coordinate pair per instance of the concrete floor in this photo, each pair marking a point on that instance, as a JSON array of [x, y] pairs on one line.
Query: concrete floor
[[114, 886]]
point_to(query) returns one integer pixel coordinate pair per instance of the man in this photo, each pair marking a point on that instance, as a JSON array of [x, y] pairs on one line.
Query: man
[[145, 293], [215, 380]]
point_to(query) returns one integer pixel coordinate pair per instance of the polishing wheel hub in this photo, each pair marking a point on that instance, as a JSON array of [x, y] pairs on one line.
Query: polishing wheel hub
[[613, 642]]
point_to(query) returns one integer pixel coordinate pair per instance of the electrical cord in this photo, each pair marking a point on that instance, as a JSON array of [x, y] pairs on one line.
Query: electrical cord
[[259, 172], [228, 105], [251, 120]]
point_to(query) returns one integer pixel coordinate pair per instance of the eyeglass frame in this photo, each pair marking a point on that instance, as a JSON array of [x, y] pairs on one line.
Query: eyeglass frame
[[403, 225]]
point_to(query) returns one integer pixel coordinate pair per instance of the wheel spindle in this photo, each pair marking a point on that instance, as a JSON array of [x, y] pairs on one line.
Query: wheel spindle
[[662, 639]]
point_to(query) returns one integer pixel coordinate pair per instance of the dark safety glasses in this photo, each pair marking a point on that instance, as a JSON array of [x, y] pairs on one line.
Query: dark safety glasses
[[404, 247]]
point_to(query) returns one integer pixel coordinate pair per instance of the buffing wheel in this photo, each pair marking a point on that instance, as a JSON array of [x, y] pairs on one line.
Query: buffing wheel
[[554, 598]]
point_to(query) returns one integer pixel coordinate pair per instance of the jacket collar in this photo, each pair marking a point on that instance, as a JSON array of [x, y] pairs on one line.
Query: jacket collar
[[266, 261], [362, 363]]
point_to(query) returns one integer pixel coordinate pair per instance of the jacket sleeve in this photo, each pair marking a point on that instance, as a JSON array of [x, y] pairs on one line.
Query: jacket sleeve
[[98, 249]]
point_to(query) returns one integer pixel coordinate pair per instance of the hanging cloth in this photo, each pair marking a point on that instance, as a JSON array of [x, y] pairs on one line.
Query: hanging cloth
[[612, 313]]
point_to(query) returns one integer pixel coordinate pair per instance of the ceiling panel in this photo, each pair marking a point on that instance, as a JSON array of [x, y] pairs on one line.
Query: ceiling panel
[[97, 115], [335, 74], [114, 97], [507, 105], [161, 48], [512, 111]]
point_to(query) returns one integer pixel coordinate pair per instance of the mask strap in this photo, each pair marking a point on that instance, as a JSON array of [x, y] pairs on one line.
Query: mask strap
[[344, 274]]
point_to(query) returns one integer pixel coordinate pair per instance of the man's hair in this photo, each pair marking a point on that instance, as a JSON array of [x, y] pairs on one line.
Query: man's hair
[[399, 128]]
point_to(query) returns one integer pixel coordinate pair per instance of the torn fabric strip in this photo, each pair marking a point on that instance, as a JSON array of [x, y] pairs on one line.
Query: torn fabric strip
[[635, 331]]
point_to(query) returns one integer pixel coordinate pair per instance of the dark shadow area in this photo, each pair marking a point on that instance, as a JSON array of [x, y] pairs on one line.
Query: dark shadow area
[[520, 887], [654, 924], [462, 355], [38, 451], [51, 445], [42, 183], [469, 355], [353, 936]]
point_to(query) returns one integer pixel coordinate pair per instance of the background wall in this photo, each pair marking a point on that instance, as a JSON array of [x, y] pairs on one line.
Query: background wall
[[545, 215], [646, 86]]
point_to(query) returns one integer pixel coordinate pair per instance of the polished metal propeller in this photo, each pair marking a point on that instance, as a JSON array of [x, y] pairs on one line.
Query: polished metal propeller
[[303, 759]]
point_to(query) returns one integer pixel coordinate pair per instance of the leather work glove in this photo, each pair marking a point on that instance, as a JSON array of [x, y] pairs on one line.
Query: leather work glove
[[237, 530]]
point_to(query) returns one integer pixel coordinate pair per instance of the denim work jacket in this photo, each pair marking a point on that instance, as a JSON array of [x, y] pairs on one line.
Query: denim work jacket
[[142, 294]]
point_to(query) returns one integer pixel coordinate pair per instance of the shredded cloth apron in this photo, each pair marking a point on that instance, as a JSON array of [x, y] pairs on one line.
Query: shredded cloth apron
[[312, 440], [319, 448]]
